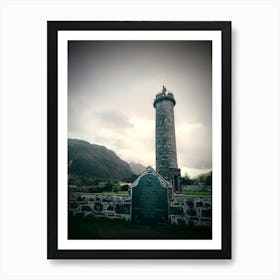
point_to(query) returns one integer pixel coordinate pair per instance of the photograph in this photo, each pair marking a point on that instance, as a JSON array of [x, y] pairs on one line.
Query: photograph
[[141, 139]]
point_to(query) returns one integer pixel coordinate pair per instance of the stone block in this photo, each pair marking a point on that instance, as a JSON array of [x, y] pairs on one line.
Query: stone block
[[123, 208], [86, 208], [110, 208], [199, 204], [190, 203], [176, 210], [177, 204], [206, 212], [98, 206], [191, 212], [110, 214]]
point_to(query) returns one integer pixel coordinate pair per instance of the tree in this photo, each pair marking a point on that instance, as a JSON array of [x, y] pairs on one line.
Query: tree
[[108, 186], [115, 188], [186, 180]]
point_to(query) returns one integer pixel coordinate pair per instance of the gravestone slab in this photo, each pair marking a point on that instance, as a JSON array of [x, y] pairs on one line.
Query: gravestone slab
[[149, 202]]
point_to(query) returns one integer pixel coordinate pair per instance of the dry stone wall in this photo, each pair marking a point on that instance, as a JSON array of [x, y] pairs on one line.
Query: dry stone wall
[[191, 210], [194, 211], [99, 205]]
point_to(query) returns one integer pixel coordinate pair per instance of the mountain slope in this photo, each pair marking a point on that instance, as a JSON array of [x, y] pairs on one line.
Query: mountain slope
[[136, 168], [85, 159]]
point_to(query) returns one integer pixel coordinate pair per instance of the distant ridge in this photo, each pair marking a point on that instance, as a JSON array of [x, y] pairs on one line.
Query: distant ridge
[[137, 168], [85, 159]]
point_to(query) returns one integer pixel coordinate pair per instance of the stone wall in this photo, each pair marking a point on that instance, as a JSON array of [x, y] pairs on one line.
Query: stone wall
[[100, 205], [190, 210]]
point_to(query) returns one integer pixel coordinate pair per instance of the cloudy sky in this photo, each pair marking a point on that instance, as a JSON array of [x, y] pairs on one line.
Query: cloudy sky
[[112, 86]]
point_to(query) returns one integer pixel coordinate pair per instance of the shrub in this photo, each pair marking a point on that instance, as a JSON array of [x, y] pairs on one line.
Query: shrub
[[108, 187], [115, 188], [124, 188]]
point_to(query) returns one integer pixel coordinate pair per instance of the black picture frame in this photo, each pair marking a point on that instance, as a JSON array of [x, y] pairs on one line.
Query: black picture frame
[[52, 87]]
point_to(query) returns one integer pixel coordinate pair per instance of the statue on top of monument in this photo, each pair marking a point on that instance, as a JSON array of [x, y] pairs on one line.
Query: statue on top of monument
[[163, 90]]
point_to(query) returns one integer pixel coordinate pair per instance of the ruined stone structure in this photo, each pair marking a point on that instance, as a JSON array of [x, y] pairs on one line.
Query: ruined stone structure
[[166, 154]]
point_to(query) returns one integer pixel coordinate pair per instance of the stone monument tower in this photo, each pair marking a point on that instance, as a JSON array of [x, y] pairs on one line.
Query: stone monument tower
[[166, 154]]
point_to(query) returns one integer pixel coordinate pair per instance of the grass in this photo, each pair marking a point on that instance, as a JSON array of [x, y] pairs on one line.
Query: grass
[[193, 193], [102, 228], [114, 193], [199, 193]]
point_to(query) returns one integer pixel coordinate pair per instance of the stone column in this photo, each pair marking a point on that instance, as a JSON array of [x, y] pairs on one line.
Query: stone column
[[166, 154]]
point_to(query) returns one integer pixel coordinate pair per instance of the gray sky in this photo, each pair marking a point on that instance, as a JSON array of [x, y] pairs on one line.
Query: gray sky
[[111, 88]]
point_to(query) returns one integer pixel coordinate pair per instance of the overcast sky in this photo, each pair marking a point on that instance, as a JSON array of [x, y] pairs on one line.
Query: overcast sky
[[112, 86]]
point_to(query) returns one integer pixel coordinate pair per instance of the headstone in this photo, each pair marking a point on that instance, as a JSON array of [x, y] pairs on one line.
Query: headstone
[[149, 202]]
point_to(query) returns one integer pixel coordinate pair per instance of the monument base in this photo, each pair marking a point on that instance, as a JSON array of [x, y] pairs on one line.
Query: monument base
[[175, 177]]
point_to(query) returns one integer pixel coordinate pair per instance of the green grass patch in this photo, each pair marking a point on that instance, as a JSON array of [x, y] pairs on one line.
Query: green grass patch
[[199, 193], [114, 193], [101, 228]]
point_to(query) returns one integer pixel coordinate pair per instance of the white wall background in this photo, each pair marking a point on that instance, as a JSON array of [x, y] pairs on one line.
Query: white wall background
[[255, 138]]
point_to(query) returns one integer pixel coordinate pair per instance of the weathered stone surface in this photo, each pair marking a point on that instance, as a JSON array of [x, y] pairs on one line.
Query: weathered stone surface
[[176, 210], [123, 208], [98, 206], [177, 204], [205, 219], [190, 203], [86, 208], [181, 208], [199, 204], [191, 212], [166, 155], [206, 212], [110, 208], [73, 205], [180, 221], [110, 214], [149, 202]]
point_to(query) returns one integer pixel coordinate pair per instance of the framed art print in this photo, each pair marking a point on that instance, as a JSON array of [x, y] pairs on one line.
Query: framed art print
[[139, 140]]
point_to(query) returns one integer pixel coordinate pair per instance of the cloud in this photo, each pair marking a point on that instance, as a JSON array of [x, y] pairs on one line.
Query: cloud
[[194, 146], [111, 119], [112, 85]]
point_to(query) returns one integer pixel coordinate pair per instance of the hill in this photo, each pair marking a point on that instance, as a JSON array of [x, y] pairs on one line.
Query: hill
[[85, 159], [137, 168]]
